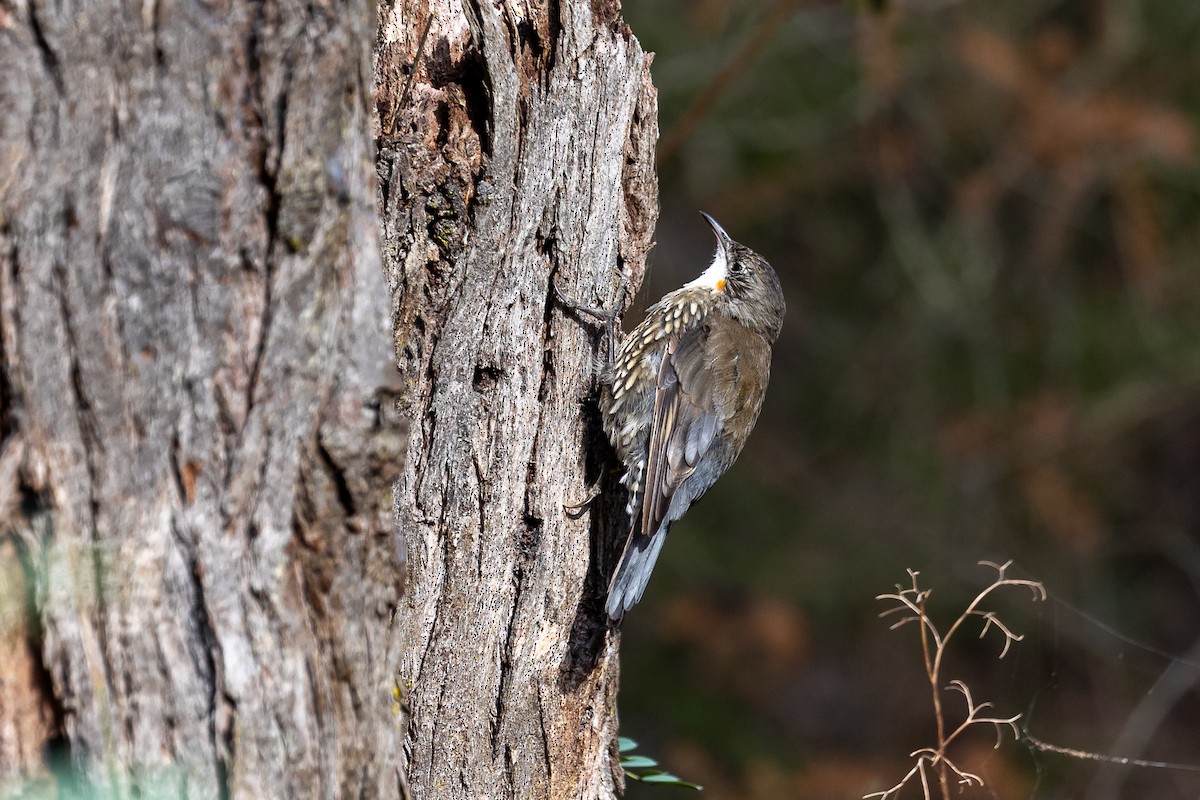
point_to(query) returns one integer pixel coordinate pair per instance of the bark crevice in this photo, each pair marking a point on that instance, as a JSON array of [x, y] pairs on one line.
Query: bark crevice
[[49, 58], [208, 657]]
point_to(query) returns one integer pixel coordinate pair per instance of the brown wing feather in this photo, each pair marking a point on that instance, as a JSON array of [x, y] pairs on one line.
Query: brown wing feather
[[684, 424]]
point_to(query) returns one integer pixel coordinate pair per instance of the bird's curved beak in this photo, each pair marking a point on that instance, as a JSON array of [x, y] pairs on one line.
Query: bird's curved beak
[[720, 263], [715, 277], [723, 238]]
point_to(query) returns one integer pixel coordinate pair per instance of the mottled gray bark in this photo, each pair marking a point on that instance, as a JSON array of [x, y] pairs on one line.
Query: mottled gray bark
[[197, 539], [520, 147]]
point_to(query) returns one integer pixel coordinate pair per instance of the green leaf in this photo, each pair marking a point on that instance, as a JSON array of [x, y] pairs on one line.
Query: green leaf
[[667, 779], [641, 768]]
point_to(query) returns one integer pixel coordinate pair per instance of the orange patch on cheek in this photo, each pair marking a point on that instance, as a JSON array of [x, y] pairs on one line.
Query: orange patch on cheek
[[720, 284]]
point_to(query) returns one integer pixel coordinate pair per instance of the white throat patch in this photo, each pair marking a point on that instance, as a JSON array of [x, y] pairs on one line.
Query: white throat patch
[[714, 277]]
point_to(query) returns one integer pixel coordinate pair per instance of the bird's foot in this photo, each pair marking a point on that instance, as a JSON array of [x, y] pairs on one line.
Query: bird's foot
[[575, 510], [605, 315], [609, 317]]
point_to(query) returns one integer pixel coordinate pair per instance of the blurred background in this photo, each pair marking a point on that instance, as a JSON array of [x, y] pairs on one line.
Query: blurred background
[[986, 218]]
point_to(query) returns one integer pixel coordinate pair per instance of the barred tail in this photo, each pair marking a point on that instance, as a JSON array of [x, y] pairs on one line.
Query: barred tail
[[633, 573]]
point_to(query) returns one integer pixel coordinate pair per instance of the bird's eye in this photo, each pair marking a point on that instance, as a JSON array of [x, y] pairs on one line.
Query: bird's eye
[[737, 268]]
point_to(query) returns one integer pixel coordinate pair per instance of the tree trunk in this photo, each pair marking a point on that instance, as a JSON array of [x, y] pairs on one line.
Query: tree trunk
[[198, 550], [197, 541], [516, 143]]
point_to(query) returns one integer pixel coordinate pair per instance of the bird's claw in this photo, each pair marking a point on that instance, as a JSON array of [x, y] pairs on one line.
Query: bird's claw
[[575, 510], [608, 316], [605, 315]]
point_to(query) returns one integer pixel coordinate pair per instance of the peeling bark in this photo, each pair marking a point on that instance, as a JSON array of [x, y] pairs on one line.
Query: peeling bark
[[516, 143], [197, 539]]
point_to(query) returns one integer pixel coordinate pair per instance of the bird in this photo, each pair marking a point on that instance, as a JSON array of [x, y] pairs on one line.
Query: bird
[[681, 394]]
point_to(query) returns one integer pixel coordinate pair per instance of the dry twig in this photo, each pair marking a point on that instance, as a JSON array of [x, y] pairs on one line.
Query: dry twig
[[910, 605]]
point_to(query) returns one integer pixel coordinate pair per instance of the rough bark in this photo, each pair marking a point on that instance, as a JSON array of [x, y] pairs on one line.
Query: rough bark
[[197, 538], [516, 143]]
